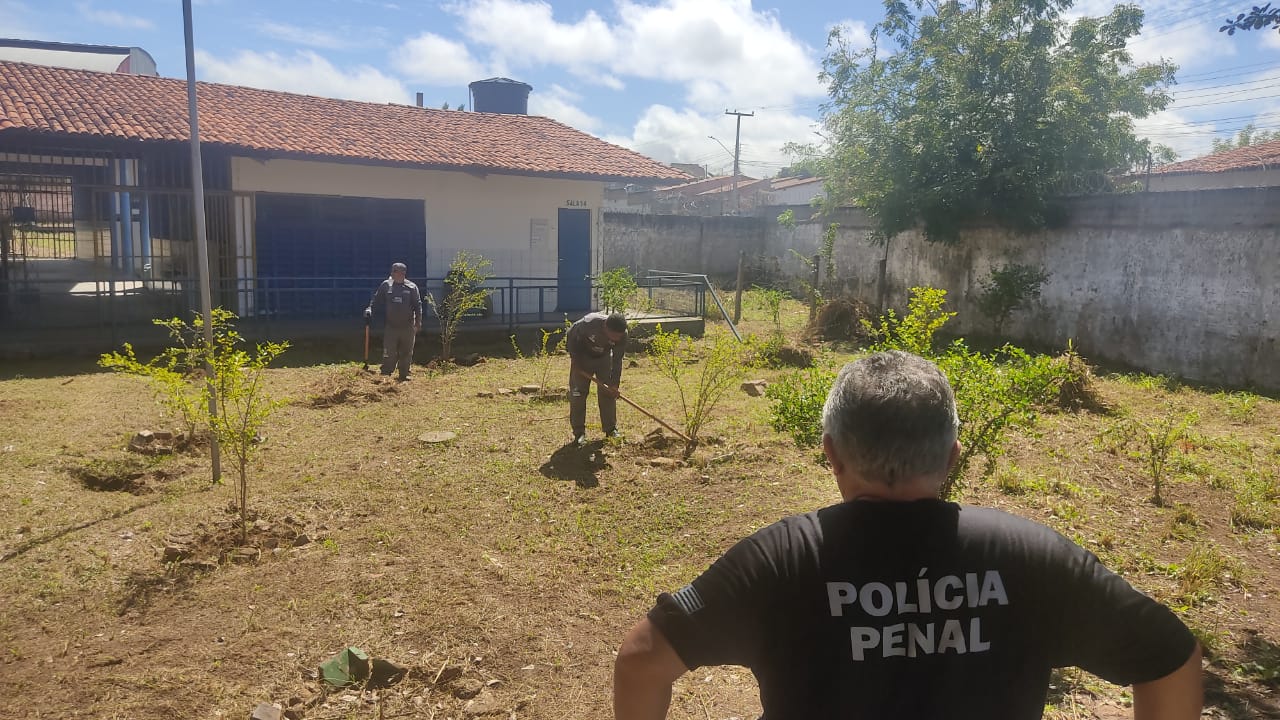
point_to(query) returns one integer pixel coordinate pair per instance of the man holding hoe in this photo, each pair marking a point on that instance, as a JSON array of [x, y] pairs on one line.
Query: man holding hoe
[[403, 304], [596, 345], [896, 604]]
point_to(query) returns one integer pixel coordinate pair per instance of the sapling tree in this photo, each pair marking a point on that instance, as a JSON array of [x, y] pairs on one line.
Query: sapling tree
[[243, 403], [463, 294], [1008, 288], [702, 376]]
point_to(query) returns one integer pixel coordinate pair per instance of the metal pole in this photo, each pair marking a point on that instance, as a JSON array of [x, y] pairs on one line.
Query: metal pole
[[737, 298], [737, 153], [202, 240]]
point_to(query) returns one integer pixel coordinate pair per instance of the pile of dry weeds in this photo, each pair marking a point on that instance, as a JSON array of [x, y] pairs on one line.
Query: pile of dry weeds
[[840, 320], [348, 385]]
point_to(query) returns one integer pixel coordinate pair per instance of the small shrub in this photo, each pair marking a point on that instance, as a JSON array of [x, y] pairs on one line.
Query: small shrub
[[1007, 289], [720, 367], [796, 403], [1156, 440], [463, 295], [770, 301], [913, 332], [617, 288], [549, 345], [994, 395]]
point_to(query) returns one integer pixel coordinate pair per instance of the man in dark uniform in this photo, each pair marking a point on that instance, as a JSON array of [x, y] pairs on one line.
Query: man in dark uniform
[[596, 344], [404, 320], [895, 604]]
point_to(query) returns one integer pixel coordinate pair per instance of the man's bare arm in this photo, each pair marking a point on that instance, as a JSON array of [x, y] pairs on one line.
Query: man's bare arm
[[643, 673], [1176, 696]]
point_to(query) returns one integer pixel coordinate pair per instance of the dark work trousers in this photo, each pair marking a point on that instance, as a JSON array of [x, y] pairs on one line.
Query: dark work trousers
[[580, 387], [397, 350]]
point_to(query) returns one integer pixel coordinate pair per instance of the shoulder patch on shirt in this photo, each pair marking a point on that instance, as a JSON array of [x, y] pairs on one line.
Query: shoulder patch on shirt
[[688, 599]]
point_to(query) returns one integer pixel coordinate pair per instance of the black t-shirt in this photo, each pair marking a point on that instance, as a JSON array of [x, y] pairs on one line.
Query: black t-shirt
[[916, 610]]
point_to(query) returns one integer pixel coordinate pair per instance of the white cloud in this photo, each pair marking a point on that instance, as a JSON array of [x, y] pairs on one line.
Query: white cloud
[[112, 18], [309, 37], [436, 60], [723, 52], [527, 30], [303, 72], [1270, 39], [672, 135], [561, 104]]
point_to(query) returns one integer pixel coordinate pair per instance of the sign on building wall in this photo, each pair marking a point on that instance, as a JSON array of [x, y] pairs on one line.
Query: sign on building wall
[[539, 234]]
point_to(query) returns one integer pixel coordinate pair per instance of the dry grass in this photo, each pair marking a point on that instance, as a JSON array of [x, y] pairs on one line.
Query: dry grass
[[506, 558]]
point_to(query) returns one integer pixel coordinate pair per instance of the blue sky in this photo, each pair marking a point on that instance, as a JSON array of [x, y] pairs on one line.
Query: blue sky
[[653, 75]]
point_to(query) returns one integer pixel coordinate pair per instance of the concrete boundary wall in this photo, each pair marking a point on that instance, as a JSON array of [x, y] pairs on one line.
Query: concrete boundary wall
[[1182, 283]]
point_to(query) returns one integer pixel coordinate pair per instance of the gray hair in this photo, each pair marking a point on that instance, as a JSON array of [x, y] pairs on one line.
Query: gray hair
[[892, 415]]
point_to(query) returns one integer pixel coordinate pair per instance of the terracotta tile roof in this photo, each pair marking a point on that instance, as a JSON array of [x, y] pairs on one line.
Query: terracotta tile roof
[[81, 103], [1252, 157]]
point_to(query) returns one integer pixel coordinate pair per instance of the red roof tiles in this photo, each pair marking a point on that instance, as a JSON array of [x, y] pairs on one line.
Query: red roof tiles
[[1252, 157], [59, 101]]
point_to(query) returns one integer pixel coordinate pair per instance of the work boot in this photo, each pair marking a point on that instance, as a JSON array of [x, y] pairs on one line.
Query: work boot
[[580, 440], [614, 434]]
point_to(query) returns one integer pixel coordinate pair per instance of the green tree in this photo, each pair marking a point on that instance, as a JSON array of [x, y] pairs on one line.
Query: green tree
[[1008, 288], [1258, 18], [966, 111], [463, 295], [1248, 135]]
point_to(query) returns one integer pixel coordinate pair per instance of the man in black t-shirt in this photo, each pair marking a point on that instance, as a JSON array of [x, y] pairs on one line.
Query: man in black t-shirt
[[895, 604]]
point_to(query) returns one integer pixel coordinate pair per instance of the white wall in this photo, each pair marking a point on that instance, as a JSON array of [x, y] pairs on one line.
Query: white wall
[[796, 194], [1174, 182], [488, 214]]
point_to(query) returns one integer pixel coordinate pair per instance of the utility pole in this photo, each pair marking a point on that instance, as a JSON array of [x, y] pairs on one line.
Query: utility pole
[[202, 241], [737, 153]]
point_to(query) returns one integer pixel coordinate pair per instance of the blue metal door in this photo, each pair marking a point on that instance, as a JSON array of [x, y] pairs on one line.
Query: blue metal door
[[574, 268], [323, 257]]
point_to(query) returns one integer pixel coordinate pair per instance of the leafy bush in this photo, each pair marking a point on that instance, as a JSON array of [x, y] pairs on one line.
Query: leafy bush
[[994, 393], [243, 405], [719, 364], [617, 287], [914, 332], [797, 399], [770, 301], [1156, 439], [1008, 288], [463, 294]]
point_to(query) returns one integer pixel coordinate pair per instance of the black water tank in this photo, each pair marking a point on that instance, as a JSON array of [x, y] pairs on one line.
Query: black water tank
[[500, 95]]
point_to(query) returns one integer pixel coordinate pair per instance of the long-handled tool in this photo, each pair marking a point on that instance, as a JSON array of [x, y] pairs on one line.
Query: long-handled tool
[[626, 400], [366, 343]]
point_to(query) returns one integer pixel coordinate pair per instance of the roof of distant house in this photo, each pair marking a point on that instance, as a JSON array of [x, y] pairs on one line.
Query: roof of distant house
[[102, 58], [707, 183], [790, 182], [743, 185], [78, 103], [1250, 157]]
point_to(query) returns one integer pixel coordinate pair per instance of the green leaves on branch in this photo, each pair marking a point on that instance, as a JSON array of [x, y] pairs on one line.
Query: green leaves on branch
[[184, 373], [995, 393], [702, 376], [463, 294], [984, 111], [914, 332], [1007, 289]]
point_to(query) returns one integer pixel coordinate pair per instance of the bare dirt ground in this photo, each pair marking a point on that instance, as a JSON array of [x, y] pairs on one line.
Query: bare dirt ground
[[503, 568]]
